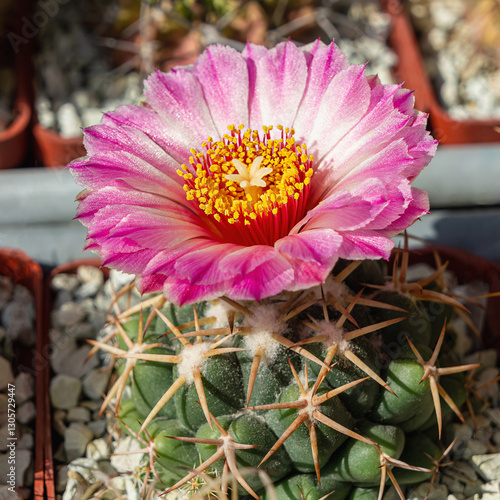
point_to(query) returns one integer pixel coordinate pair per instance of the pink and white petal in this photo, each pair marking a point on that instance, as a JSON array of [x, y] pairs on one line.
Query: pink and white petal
[[177, 97], [324, 63], [102, 170], [309, 273], [155, 230], [266, 280], [383, 124], [387, 165], [182, 292], [118, 195], [131, 262], [147, 120], [360, 245], [223, 76], [205, 266], [246, 259], [418, 206], [277, 83], [131, 143], [316, 245], [150, 283]]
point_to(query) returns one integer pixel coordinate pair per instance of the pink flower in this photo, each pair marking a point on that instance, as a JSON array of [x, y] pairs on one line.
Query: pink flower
[[252, 173]]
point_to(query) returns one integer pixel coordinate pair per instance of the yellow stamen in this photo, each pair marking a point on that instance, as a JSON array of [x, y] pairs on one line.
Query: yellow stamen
[[246, 175]]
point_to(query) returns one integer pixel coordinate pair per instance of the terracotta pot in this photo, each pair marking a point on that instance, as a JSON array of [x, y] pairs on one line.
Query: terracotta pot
[[25, 271], [411, 70], [55, 151], [13, 141]]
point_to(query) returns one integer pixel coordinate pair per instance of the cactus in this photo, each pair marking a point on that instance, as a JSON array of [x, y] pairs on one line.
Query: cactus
[[332, 392]]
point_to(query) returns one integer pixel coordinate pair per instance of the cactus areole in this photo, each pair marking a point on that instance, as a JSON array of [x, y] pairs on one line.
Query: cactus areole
[[257, 193]]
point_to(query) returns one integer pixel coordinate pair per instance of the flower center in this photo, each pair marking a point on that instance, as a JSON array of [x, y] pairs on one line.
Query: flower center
[[250, 180]]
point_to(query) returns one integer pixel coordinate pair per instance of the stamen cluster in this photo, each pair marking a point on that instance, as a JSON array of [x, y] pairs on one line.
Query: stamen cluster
[[248, 175]]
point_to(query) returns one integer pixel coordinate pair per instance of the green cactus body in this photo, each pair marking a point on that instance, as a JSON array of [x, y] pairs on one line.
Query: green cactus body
[[416, 326], [321, 391], [298, 444], [359, 462], [419, 450], [306, 486], [411, 397], [223, 386], [359, 399]]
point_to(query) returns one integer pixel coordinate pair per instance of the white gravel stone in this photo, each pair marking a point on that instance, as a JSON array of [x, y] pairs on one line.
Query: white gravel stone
[[98, 427], [68, 121], [90, 274], [74, 362], [17, 319], [84, 467], [69, 314], [76, 439], [25, 387], [59, 421], [78, 414], [488, 466], [129, 462], [95, 383], [65, 391], [6, 375], [26, 412], [494, 415], [6, 494], [26, 441], [98, 449], [82, 331], [474, 447], [23, 462], [64, 281]]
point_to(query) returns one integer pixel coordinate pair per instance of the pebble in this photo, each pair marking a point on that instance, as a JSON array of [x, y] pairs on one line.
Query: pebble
[[78, 414], [98, 427], [6, 375], [488, 466], [26, 412], [25, 387], [76, 439], [68, 121], [96, 382], [59, 421], [98, 450], [128, 462], [69, 314], [464, 69], [65, 391], [17, 318]]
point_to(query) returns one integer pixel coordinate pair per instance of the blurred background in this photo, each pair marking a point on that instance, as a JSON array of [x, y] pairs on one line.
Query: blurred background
[[65, 62]]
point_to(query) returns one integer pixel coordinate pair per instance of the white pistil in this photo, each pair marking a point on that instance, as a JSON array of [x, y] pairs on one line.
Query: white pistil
[[250, 179]]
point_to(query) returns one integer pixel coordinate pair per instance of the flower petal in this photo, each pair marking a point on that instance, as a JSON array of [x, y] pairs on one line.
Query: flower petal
[[277, 82], [223, 76]]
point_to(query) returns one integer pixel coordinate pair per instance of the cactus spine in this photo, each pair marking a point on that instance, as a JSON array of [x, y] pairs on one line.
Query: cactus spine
[[330, 392]]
